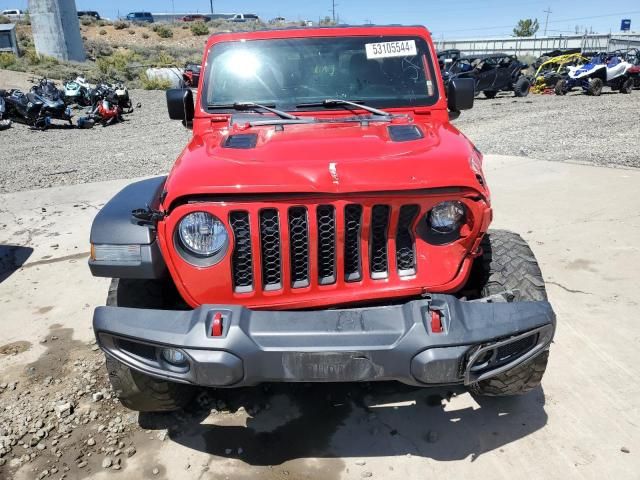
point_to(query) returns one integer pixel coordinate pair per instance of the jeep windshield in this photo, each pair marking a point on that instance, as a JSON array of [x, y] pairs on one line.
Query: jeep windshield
[[301, 73]]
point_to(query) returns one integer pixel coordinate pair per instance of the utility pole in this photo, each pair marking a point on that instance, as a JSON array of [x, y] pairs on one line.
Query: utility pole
[[211, 2], [333, 10], [546, 22]]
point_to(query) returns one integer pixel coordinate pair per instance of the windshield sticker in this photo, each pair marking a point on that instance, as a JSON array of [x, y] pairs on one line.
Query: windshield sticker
[[401, 48]]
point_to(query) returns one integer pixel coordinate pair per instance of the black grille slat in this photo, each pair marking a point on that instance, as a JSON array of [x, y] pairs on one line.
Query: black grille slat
[[242, 258], [405, 248], [378, 260], [299, 246], [326, 244], [352, 229], [270, 249]]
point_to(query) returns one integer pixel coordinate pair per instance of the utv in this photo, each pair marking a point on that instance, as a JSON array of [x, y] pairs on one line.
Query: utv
[[326, 223], [551, 71], [610, 70], [491, 74]]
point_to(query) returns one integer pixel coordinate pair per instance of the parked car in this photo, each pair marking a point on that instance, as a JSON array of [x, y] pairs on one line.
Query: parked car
[[13, 14], [317, 228], [140, 17], [244, 17], [491, 73], [196, 17], [89, 13]]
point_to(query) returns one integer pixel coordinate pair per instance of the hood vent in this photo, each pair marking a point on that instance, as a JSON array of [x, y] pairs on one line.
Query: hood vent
[[404, 133], [243, 140]]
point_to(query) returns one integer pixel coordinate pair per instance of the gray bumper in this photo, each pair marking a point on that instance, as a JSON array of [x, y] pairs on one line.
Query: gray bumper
[[478, 340]]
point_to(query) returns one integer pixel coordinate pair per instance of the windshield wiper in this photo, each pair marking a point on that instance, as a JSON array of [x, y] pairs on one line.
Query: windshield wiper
[[330, 102], [254, 106]]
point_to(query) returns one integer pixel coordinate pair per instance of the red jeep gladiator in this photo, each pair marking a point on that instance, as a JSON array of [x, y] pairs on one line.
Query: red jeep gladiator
[[326, 223]]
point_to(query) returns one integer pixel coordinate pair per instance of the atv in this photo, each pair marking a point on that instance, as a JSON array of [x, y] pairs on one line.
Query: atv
[[602, 70], [318, 227], [491, 73]]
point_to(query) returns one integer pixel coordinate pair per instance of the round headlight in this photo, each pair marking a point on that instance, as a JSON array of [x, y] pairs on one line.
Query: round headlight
[[202, 234], [446, 217]]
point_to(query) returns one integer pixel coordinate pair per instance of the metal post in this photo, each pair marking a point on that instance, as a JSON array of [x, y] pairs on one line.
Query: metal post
[[211, 2], [547, 11]]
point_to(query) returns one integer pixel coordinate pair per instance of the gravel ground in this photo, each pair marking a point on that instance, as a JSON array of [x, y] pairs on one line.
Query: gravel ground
[[602, 130], [578, 128]]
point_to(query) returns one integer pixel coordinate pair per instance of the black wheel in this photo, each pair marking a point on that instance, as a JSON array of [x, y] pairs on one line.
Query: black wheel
[[560, 88], [521, 87], [136, 390], [627, 85], [595, 87], [508, 264], [490, 94]]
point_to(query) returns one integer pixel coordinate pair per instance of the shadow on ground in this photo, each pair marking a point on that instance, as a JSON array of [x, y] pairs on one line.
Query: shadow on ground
[[12, 257], [296, 421]]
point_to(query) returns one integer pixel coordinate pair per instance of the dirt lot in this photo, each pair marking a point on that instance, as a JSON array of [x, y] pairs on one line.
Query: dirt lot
[[599, 130], [58, 418]]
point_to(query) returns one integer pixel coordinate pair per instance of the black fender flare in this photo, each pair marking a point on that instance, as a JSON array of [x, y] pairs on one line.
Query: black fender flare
[[114, 225]]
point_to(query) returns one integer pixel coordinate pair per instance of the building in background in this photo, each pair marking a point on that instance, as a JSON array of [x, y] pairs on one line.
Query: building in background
[[8, 40]]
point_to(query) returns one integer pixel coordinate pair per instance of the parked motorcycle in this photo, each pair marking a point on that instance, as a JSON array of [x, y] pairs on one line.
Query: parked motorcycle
[[77, 91], [5, 122]]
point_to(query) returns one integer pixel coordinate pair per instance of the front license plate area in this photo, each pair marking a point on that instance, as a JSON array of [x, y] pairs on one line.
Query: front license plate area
[[329, 367]]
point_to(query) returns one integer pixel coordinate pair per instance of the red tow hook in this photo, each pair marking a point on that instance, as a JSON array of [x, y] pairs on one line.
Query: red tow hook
[[436, 321], [216, 325]]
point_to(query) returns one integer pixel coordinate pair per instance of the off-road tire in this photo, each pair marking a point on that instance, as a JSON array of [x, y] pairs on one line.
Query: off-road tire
[[627, 86], [136, 390], [490, 94], [595, 87], [508, 264], [521, 87], [518, 380], [560, 88]]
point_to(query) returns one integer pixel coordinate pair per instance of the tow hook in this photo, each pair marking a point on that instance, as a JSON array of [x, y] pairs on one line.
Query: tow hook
[[148, 216]]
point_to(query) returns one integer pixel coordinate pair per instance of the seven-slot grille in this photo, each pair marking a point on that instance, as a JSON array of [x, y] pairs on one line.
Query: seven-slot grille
[[316, 262]]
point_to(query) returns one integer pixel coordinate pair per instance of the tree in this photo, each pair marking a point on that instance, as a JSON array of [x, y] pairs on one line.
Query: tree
[[526, 27]]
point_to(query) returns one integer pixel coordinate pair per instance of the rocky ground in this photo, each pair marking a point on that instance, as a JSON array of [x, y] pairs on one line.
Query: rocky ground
[[578, 128], [59, 415], [60, 419]]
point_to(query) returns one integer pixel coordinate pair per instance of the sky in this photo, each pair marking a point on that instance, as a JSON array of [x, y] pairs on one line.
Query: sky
[[447, 19]]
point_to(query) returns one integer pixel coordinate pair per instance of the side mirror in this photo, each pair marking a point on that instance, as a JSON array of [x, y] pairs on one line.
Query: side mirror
[[180, 105], [460, 94]]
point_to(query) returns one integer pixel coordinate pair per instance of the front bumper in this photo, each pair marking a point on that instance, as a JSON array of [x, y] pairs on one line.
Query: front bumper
[[478, 340]]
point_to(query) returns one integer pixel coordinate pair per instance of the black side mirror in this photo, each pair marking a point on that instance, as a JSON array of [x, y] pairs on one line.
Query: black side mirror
[[180, 105], [460, 94]]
